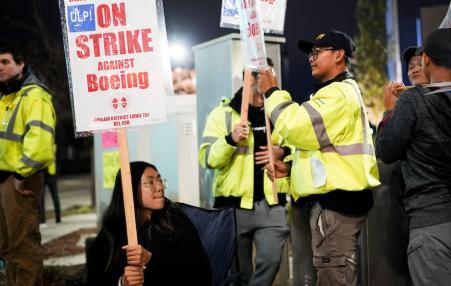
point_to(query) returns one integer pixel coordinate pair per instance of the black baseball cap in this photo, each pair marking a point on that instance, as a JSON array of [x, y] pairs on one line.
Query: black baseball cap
[[437, 46], [411, 52], [333, 38]]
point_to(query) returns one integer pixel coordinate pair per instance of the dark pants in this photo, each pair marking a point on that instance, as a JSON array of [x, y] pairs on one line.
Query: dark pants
[[301, 239], [334, 245], [429, 255], [20, 239], [51, 182]]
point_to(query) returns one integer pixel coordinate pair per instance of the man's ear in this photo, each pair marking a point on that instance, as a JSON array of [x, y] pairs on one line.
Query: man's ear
[[425, 60], [425, 65], [21, 65], [340, 56]]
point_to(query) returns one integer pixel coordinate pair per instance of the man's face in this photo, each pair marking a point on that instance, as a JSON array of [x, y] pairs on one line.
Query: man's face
[[322, 61], [9, 69], [415, 72]]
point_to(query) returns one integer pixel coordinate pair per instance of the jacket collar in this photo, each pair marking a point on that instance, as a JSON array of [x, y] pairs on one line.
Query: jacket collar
[[340, 77], [235, 103], [28, 79]]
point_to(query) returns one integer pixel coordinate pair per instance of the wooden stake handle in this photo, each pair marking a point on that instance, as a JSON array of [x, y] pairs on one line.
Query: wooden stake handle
[[129, 208], [246, 95], [271, 156]]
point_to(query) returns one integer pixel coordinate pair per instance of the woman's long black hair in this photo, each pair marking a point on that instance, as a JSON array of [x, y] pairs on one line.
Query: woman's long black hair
[[113, 224]]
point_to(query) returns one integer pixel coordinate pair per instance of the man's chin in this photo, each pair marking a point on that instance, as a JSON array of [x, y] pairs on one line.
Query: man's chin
[[315, 74]]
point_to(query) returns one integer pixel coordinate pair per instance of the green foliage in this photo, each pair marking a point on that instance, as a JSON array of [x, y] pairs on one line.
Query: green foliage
[[371, 55]]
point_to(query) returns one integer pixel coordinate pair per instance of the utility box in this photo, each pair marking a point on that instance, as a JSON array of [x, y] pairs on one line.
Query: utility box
[[219, 74], [171, 147]]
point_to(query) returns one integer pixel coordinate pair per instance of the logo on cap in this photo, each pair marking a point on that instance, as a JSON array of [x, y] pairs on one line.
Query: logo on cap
[[320, 36]]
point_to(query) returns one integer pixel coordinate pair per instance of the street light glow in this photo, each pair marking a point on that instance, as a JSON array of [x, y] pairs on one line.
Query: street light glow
[[178, 52]]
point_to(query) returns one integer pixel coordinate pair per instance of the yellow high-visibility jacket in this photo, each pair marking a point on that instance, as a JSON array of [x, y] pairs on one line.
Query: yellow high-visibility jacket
[[234, 166], [27, 129], [331, 133]]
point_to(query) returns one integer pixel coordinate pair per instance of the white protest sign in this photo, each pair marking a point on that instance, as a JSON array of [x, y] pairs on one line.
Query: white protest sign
[[272, 15], [118, 64], [252, 34]]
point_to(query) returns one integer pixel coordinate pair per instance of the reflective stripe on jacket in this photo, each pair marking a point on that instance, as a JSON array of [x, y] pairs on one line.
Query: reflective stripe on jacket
[[234, 166], [27, 129], [334, 149]]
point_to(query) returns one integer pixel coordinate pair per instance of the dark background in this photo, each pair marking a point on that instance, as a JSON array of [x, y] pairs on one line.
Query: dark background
[[36, 24]]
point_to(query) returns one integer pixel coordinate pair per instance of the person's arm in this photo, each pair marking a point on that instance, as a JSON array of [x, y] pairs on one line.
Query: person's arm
[[395, 132], [38, 140], [283, 166], [133, 276], [217, 146], [392, 90], [137, 255], [324, 117], [282, 160]]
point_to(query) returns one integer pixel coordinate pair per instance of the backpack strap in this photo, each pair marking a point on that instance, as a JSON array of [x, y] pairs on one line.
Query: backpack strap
[[442, 87]]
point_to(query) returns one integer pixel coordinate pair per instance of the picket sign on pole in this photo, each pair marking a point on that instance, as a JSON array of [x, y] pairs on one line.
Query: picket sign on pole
[[119, 73], [253, 43]]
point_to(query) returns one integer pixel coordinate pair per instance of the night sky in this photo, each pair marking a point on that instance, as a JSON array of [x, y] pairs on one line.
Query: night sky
[[194, 22]]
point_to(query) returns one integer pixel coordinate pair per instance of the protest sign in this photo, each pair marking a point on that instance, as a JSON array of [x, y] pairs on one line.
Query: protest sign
[[272, 15], [119, 73], [252, 36], [118, 66]]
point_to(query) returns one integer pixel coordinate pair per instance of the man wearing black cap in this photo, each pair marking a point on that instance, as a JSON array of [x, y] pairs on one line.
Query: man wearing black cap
[[412, 57], [334, 168], [418, 132]]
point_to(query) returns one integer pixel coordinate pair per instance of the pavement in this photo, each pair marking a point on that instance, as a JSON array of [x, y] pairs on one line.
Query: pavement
[[74, 191]]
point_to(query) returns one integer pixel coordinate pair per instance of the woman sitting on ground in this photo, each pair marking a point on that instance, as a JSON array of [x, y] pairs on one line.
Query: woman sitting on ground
[[169, 251]]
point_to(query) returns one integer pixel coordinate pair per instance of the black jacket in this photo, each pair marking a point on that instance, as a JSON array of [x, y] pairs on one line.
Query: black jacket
[[418, 132], [177, 259]]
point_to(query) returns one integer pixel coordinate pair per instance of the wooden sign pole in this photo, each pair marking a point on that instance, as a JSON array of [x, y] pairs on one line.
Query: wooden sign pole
[[271, 156], [246, 95], [129, 208]]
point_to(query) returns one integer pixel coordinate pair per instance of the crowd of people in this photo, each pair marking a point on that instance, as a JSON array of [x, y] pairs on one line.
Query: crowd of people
[[322, 156], [324, 147]]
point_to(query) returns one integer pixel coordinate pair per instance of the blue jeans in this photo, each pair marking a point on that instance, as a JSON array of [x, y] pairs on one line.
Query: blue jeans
[[266, 227]]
